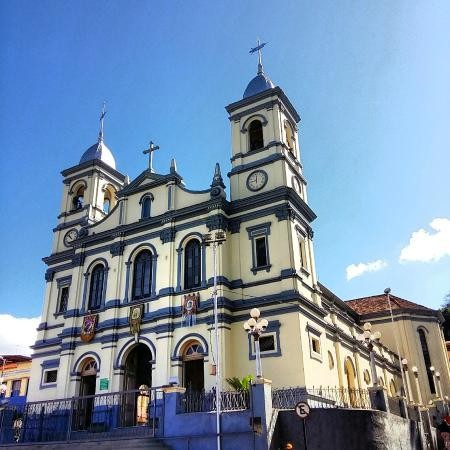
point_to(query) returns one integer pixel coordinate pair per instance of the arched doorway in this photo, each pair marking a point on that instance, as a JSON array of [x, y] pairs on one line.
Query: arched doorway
[[193, 367], [351, 375], [87, 391], [138, 372]]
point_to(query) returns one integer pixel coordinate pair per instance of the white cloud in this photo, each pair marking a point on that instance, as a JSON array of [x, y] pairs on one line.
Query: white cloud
[[427, 246], [356, 270], [17, 334]]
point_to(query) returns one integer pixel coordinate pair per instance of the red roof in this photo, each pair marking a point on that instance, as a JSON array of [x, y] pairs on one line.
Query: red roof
[[379, 303], [16, 358]]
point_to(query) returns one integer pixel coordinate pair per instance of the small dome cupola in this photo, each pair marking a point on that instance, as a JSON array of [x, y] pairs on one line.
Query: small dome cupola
[[99, 150], [261, 82]]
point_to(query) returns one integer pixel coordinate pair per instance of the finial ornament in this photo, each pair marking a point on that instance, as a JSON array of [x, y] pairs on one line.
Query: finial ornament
[[217, 179], [173, 166], [149, 151], [258, 49], [102, 117]]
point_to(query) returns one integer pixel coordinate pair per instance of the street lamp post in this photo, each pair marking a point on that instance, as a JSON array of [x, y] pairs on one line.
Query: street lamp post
[[214, 241], [387, 291], [369, 340], [255, 328]]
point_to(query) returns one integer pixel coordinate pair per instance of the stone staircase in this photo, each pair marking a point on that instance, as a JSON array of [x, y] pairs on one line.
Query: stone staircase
[[103, 444]]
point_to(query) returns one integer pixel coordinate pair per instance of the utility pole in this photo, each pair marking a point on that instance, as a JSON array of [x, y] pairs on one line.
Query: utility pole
[[214, 241]]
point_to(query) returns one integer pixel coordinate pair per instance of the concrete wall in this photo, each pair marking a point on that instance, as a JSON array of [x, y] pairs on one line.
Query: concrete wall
[[347, 430]]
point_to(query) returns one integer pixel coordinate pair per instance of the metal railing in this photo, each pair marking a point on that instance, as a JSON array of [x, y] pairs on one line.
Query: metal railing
[[287, 398], [202, 401], [130, 413]]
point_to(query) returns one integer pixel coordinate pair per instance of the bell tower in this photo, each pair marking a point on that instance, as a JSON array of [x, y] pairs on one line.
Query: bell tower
[[89, 192], [264, 134]]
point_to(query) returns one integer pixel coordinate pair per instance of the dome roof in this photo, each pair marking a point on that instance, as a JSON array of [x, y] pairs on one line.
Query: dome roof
[[99, 151], [259, 84]]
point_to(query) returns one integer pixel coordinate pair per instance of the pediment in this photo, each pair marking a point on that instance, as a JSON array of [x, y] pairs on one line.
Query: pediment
[[146, 180]]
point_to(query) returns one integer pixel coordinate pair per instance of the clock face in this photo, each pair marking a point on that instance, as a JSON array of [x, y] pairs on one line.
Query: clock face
[[70, 236], [257, 180]]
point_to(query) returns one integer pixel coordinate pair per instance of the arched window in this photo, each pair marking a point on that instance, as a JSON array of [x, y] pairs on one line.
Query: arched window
[[192, 262], [393, 388], [78, 199], [426, 358], [89, 368], [142, 275], [96, 290], [146, 203], [193, 367], [256, 135], [289, 137], [107, 202]]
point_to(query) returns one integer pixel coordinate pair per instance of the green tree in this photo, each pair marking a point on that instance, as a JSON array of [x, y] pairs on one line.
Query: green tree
[[446, 313], [240, 384]]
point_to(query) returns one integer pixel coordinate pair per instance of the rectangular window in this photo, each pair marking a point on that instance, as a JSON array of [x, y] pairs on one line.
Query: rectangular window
[[302, 248], [267, 343], [258, 235], [315, 345], [261, 251], [15, 388], [50, 376], [315, 349], [63, 299]]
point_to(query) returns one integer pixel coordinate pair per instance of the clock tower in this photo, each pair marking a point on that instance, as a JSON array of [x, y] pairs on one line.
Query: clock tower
[[265, 145]]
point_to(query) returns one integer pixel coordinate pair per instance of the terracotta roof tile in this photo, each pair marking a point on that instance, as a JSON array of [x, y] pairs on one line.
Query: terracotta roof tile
[[379, 303], [16, 358]]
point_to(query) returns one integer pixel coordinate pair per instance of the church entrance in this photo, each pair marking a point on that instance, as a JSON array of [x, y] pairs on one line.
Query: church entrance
[[138, 373], [87, 391], [193, 368]]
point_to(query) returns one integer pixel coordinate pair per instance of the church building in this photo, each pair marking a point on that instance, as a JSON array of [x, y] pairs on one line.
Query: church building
[[130, 277]]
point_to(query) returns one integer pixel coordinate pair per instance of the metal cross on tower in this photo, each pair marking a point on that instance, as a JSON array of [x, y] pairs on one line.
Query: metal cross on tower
[[258, 49], [102, 117], [150, 151]]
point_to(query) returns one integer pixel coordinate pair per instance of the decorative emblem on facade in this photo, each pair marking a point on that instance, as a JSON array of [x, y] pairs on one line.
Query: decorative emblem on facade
[[78, 259], [135, 319], [167, 235], [189, 307], [117, 248], [88, 327], [49, 274], [217, 222]]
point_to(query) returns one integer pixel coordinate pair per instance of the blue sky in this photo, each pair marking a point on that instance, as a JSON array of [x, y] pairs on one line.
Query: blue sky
[[369, 79]]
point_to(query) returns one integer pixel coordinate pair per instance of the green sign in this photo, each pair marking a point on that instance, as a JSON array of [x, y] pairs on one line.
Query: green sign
[[104, 384]]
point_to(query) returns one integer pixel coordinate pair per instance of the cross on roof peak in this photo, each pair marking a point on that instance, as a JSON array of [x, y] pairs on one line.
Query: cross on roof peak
[[152, 147]]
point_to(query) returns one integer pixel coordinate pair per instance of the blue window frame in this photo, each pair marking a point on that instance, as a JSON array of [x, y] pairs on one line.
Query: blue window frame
[[96, 289], [192, 264], [142, 275], [258, 235], [146, 206]]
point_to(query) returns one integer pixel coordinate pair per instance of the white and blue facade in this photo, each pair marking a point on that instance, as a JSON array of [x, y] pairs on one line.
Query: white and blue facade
[[118, 244]]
